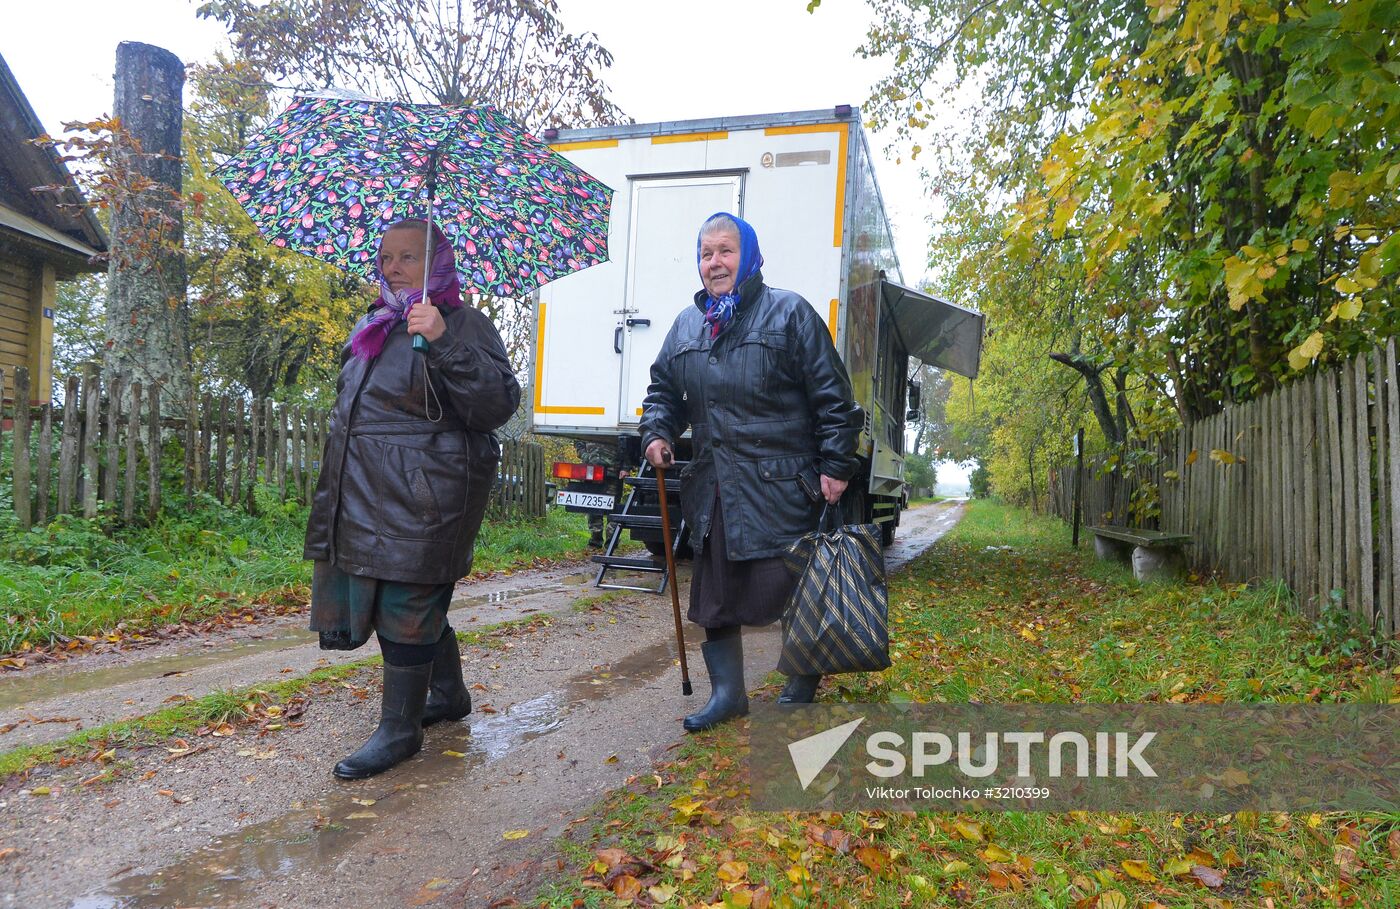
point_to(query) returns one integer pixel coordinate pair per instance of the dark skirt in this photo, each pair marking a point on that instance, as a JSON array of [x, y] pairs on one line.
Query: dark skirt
[[346, 608], [745, 592]]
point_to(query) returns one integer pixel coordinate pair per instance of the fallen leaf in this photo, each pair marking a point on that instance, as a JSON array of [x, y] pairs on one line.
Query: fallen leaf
[[661, 893], [994, 853], [1392, 843], [1139, 870], [968, 830], [612, 758], [732, 872], [1177, 867], [45, 790], [955, 867], [450, 752], [626, 887], [829, 837], [1112, 899], [798, 875], [8, 852], [1208, 876], [515, 834], [360, 815], [1000, 880], [873, 858], [365, 802]]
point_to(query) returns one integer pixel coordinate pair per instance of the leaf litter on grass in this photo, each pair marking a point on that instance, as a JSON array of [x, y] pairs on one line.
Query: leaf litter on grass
[[1035, 622]]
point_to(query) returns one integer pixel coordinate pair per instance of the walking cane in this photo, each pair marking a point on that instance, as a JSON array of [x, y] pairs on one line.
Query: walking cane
[[671, 571]]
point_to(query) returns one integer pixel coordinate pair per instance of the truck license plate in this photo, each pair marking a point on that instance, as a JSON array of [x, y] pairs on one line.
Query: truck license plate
[[585, 500]]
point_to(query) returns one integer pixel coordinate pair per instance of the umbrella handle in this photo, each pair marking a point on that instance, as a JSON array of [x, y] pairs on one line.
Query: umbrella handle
[[420, 343]]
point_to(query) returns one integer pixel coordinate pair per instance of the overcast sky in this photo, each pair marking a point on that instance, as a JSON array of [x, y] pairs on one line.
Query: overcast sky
[[673, 61]]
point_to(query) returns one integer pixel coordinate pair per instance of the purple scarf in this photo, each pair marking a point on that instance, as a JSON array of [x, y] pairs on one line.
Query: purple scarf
[[444, 291]]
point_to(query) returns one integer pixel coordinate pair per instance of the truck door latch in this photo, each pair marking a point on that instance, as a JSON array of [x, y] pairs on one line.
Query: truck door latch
[[645, 323]]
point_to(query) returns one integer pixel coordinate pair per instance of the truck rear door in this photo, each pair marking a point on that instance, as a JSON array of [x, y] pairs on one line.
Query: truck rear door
[[666, 214]]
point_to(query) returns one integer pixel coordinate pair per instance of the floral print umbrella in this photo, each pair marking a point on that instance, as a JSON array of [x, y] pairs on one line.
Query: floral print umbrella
[[328, 175]]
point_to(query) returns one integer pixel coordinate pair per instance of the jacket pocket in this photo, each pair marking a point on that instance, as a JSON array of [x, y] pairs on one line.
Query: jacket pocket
[[422, 492], [791, 493], [762, 355], [686, 370]]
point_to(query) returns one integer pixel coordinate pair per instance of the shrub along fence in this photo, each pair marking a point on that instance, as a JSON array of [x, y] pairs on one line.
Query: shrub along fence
[[1301, 485], [93, 452]]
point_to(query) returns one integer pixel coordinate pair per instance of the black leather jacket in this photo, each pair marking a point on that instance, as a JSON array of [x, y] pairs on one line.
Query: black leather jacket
[[401, 497], [770, 407]]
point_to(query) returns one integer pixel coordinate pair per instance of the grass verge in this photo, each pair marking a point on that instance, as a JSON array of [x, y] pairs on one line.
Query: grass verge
[[264, 703], [68, 579], [1002, 609]]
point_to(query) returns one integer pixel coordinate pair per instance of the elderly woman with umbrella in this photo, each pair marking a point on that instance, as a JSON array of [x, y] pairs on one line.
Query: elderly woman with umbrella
[[410, 454]]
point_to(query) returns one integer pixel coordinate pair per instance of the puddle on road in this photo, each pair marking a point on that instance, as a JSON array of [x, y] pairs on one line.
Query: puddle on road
[[17, 691], [20, 690], [221, 873]]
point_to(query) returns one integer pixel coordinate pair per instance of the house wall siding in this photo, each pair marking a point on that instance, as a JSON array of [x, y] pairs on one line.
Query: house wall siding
[[26, 336]]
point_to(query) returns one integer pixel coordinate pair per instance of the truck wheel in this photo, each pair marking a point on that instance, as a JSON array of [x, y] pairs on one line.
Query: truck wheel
[[887, 533]]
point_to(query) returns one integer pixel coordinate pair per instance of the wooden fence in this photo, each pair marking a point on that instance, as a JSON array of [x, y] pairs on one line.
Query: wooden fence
[[1302, 486], [92, 453]]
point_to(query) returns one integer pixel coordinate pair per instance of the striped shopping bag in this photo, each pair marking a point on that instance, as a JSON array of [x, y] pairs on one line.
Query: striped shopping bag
[[837, 617]]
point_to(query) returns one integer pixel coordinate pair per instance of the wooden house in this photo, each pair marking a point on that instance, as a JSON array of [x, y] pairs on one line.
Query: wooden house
[[42, 241]]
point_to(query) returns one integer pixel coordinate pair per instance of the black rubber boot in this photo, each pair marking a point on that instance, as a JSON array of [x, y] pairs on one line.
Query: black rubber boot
[[400, 732], [725, 661], [448, 698], [800, 689]]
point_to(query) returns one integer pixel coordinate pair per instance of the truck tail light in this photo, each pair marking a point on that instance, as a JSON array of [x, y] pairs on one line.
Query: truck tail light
[[593, 473]]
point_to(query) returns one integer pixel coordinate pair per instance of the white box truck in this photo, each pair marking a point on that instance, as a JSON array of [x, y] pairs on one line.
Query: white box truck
[[804, 180]]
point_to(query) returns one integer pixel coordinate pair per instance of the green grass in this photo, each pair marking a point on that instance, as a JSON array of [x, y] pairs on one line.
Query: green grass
[[1035, 622], [69, 578]]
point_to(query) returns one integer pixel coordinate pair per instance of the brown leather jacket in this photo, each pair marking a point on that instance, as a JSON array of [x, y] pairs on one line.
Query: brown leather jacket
[[401, 497]]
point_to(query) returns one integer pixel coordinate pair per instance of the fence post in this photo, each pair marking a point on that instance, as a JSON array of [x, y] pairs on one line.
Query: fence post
[[1078, 482], [112, 446], [133, 432], [44, 463], [254, 440], [20, 447], [92, 414], [236, 487], [281, 472], [206, 438], [68, 447], [221, 455], [153, 452]]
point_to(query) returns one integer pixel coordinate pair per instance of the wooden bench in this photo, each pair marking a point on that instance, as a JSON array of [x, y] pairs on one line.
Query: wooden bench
[[1154, 555]]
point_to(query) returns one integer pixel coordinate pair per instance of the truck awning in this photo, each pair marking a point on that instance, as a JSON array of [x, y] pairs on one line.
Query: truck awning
[[935, 332]]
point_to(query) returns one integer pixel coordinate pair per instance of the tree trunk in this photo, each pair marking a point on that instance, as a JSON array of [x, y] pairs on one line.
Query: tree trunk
[[147, 313], [1098, 398]]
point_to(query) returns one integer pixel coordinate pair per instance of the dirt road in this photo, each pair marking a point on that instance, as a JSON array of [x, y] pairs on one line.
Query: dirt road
[[564, 713]]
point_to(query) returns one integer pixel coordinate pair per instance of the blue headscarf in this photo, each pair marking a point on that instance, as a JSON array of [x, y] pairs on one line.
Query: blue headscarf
[[719, 311]]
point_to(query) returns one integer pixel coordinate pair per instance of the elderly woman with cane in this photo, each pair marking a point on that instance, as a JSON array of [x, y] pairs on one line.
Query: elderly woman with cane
[[406, 475], [751, 370]]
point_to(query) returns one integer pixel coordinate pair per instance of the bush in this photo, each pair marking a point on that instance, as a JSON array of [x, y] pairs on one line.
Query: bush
[[981, 482]]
